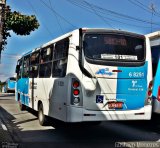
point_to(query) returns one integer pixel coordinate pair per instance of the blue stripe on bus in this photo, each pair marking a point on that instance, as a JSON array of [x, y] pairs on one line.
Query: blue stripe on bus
[[156, 83], [132, 86], [23, 88]]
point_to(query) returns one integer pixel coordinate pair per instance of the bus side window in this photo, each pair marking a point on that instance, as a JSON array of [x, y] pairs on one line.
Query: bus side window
[[45, 70], [34, 65], [46, 62], [33, 71], [46, 54], [25, 72], [60, 58], [19, 69]]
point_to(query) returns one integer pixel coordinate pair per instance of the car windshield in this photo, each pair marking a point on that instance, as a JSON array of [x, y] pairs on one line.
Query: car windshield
[[113, 47]]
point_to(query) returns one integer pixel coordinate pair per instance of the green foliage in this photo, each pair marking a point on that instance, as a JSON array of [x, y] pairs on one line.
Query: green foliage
[[21, 24], [18, 23]]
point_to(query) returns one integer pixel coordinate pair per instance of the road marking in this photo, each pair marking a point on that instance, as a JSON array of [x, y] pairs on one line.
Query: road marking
[[3, 126], [158, 140]]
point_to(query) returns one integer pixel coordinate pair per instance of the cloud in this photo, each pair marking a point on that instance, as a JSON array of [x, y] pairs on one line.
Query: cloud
[[4, 76], [10, 56]]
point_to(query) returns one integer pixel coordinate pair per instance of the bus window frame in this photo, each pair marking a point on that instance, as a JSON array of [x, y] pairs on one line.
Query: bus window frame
[[111, 62], [60, 59], [28, 66]]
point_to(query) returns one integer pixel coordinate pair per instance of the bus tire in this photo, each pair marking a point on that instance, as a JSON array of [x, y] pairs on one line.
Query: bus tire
[[41, 117]]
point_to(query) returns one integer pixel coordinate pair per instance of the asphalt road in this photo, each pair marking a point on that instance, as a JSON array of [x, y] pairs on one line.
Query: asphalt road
[[22, 129]]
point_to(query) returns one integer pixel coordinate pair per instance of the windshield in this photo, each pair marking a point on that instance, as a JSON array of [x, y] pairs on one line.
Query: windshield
[[12, 79], [113, 47]]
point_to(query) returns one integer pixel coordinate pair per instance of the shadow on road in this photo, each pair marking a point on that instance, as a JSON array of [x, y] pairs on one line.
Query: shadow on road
[[152, 125], [79, 135]]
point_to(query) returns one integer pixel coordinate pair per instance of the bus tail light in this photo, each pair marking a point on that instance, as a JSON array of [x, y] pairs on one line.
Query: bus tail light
[[76, 92], [158, 95], [75, 84], [76, 101], [150, 85], [149, 93]]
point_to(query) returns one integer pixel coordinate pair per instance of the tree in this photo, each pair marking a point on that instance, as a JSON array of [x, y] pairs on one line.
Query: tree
[[19, 23]]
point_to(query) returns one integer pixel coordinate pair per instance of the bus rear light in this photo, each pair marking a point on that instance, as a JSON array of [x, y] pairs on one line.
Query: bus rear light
[[76, 101], [150, 85], [158, 96], [75, 84], [149, 93], [76, 92]]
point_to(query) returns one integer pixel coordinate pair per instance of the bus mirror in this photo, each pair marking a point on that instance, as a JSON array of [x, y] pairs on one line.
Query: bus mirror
[[17, 68]]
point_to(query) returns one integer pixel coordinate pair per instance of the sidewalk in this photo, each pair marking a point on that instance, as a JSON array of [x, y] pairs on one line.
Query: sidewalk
[[8, 135]]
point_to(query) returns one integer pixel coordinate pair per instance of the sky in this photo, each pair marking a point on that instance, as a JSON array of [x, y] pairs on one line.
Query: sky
[[57, 17]]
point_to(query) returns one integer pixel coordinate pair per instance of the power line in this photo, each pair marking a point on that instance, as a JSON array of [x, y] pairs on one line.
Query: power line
[[111, 19], [86, 8], [96, 13], [56, 16], [140, 5], [144, 7], [60, 16], [33, 9], [116, 14], [155, 12]]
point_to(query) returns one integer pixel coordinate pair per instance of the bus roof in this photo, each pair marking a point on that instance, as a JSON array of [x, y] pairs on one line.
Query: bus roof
[[153, 35], [70, 33], [154, 38]]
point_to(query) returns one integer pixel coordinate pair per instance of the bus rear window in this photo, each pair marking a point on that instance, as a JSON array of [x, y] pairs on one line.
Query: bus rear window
[[113, 47]]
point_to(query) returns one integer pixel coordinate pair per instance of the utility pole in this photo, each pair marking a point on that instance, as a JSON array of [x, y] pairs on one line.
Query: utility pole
[[153, 10], [2, 15]]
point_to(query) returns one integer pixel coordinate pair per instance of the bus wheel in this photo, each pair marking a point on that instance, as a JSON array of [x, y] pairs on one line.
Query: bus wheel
[[21, 106], [41, 117]]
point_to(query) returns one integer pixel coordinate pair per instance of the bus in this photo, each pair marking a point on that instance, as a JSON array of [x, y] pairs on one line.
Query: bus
[[10, 85], [88, 75], [155, 51]]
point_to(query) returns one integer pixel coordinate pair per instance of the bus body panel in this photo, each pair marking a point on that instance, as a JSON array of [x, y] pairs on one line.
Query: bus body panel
[[156, 85], [76, 114], [52, 94], [154, 39], [22, 91], [128, 86]]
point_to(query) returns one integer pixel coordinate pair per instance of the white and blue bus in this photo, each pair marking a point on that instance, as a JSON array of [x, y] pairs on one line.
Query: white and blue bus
[[88, 75], [10, 85], [155, 51]]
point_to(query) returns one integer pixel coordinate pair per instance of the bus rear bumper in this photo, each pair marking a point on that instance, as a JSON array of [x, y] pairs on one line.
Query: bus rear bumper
[[75, 114]]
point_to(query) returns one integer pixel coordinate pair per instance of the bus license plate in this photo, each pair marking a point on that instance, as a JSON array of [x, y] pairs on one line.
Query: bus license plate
[[115, 105]]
